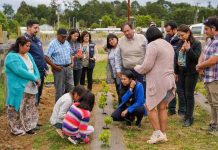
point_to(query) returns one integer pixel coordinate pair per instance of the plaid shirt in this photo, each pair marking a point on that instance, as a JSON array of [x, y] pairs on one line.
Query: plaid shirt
[[60, 54], [211, 49]]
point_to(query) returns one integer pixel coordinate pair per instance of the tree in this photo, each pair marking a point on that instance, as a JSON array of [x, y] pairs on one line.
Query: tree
[[3, 21], [184, 16], [107, 120], [8, 10], [143, 21], [107, 21], [105, 136], [94, 25]]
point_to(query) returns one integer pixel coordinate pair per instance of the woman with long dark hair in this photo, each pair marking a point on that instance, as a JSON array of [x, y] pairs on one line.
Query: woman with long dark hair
[[185, 62], [74, 40], [112, 47], [22, 82], [132, 100], [88, 61]]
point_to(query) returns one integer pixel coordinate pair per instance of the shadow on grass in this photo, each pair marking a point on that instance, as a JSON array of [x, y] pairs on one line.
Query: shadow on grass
[[47, 138]]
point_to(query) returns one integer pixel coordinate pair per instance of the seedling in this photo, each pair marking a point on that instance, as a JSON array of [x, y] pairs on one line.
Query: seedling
[[102, 102], [104, 137], [107, 120]]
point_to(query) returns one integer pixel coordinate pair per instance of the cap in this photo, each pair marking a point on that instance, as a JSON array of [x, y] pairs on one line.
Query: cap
[[62, 31]]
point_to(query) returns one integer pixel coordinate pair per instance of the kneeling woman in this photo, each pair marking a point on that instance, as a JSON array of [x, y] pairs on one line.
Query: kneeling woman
[[132, 100]]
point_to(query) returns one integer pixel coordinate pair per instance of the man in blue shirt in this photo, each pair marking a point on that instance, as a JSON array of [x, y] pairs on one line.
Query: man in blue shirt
[[37, 52], [59, 56]]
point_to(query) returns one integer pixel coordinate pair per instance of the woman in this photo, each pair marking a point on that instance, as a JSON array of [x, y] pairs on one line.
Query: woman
[[132, 100], [23, 79], [112, 47], [185, 61], [160, 81], [73, 39], [88, 61]]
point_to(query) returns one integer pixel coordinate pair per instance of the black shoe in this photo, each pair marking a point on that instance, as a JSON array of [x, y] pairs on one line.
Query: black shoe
[[188, 122], [139, 125], [36, 128], [39, 125], [170, 113], [30, 132]]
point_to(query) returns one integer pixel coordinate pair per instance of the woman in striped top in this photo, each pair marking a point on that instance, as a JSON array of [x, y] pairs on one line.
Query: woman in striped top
[[75, 124]]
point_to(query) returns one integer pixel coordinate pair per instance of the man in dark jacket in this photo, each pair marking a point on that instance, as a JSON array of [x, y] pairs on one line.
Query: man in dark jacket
[[37, 52], [173, 39]]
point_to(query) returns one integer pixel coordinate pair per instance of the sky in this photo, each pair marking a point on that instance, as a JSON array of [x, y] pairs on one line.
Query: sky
[[16, 3]]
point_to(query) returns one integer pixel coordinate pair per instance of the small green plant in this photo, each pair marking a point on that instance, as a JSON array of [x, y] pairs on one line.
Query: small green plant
[[105, 88], [104, 137], [102, 102], [107, 120]]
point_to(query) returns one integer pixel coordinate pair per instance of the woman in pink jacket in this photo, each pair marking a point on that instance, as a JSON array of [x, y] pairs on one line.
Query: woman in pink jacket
[[158, 66]]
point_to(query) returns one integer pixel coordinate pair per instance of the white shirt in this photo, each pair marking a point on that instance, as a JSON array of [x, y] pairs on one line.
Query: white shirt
[[60, 109]]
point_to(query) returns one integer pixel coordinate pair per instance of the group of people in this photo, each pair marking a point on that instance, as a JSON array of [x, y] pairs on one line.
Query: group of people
[[148, 70], [26, 67]]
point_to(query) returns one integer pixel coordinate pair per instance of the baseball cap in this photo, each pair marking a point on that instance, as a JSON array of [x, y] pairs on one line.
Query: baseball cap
[[62, 31]]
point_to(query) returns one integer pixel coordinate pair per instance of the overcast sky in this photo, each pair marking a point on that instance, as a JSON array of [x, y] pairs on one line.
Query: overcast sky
[[16, 3]]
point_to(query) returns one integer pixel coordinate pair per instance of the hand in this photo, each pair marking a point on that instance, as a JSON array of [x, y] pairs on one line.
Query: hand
[[119, 74], [186, 45], [123, 114], [57, 68], [198, 67], [71, 65], [38, 82], [176, 77], [92, 59], [132, 84]]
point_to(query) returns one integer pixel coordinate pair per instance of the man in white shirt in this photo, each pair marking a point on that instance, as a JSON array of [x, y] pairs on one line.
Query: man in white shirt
[[63, 104]]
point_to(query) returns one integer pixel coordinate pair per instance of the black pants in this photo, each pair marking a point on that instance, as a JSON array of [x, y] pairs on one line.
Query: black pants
[[40, 88], [89, 72], [187, 85], [181, 103], [138, 113], [76, 76]]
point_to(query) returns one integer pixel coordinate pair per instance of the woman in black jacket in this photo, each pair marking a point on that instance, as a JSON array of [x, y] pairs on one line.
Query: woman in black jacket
[[186, 59]]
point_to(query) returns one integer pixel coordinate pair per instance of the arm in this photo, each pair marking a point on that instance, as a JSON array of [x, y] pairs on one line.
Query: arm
[[14, 64], [208, 63], [139, 98], [194, 52], [118, 61], [149, 60], [126, 96], [64, 108], [36, 71]]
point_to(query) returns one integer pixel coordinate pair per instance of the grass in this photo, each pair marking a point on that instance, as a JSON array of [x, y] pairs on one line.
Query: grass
[[2, 92], [200, 88], [48, 139], [180, 138], [99, 72]]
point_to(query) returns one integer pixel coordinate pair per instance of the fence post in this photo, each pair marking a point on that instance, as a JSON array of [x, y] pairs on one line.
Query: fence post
[[1, 34]]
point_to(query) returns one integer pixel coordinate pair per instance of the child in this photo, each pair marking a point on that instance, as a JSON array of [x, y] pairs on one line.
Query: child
[[63, 104], [75, 123]]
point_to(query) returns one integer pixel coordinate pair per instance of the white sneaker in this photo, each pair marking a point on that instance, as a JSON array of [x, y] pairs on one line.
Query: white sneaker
[[72, 140], [165, 137], [157, 138]]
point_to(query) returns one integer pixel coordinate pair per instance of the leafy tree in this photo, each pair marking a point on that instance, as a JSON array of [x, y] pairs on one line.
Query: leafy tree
[[107, 120], [94, 25], [3, 21], [106, 21], [8, 10], [43, 21], [13, 26], [184, 16], [143, 21]]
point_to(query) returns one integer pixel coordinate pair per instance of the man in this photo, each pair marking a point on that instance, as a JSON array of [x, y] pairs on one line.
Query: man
[[131, 52], [37, 52], [59, 56], [208, 65], [173, 39]]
